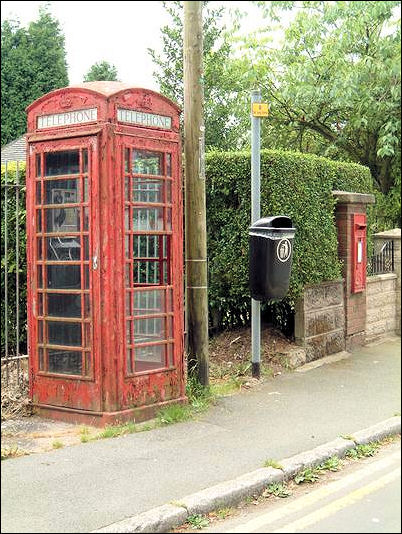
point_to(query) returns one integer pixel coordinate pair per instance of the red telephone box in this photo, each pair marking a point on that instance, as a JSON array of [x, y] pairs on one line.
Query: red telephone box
[[105, 262], [359, 252]]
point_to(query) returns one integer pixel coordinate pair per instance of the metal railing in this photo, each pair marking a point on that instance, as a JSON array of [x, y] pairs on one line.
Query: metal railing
[[383, 262], [13, 265]]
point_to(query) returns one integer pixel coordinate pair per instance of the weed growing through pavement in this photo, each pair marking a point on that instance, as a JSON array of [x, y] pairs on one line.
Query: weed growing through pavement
[[272, 463], [310, 474], [221, 514], [361, 451], [277, 490], [332, 464], [197, 521], [57, 444]]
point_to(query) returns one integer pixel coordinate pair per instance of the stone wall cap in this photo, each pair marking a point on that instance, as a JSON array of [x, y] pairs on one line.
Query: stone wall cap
[[346, 197], [395, 233]]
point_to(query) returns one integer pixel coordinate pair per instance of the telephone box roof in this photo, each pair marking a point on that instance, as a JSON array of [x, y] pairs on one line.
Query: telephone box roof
[[104, 88]]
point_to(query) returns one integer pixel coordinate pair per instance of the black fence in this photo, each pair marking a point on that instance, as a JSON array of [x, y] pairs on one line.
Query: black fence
[[383, 261]]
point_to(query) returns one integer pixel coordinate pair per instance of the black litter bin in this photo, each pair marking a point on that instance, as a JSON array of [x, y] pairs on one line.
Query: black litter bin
[[271, 251]]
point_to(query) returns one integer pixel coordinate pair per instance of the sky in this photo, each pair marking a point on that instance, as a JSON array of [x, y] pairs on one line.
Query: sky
[[117, 32]]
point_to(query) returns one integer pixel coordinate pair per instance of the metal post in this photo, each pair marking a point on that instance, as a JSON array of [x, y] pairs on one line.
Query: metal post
[[6, 268], [17, 266], [255, 215]]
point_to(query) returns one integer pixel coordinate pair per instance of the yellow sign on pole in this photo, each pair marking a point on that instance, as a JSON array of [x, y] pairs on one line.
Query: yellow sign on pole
[[259, 109]]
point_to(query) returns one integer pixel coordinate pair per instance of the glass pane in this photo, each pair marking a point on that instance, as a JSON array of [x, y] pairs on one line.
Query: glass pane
[[63, 276], [39, 248], [128, 303], [39, 221], [64, 333], [87, 335], [38, 166], [148, 330], [41, 360], [85, 160], [169, 164], [149, 302], [59, 163], [40, 331], [127, 189], [148, 246], [147, 219], [146, 272], [88, 362], [63, 305], [85, 194], [127, 160], [86, 276], [86, 248], [61, 191], [38, 193], [65, 362], [148, 358], [40, 277], [168, 218], [129, 363], [87, 306], [63, 248], [62, 220], [147, 162], [86, 220], [40, 304], [170, 349], [129, 341], [147, 190], [168, 191]]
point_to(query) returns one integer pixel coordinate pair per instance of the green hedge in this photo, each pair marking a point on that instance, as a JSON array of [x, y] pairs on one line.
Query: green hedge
[[294, 184], [11, 258]]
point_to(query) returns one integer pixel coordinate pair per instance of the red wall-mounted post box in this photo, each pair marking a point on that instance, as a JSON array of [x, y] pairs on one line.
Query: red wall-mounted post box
[[359, 252]]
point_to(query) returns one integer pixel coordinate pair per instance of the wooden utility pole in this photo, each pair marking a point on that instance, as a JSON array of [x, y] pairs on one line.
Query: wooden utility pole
[[196, 230]]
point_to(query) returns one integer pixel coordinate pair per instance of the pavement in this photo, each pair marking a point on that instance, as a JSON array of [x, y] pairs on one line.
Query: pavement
[[109, 483]]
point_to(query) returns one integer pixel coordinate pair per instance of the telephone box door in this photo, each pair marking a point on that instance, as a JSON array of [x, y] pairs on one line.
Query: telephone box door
[[63, 273], [153, 260]]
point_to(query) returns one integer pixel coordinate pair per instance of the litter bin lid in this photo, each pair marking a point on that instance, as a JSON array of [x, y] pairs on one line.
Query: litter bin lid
[[279, 222]]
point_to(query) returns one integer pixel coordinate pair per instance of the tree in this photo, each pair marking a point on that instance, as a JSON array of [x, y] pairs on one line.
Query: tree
[[334, 84], [33, 62], [102, 70], [222, 128]]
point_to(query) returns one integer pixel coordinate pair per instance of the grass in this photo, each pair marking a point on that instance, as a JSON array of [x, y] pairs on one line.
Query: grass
[[57, 445], [114, 431], [272, 463], [11, 452]]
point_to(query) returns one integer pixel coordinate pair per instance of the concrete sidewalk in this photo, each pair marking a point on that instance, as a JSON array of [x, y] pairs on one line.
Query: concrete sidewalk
[[88, 486]]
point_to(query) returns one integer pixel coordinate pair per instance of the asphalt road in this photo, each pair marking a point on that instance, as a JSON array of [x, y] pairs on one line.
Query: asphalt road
[[364, 497]]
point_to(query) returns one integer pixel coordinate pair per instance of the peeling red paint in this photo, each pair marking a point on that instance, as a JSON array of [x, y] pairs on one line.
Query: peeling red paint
[[108, 387]]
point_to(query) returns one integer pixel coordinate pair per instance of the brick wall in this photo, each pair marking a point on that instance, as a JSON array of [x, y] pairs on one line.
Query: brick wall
[[382, 316], [347, 205], [320, 320]]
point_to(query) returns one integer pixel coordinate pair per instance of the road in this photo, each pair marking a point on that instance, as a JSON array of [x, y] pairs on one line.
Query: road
[[364, 497]]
